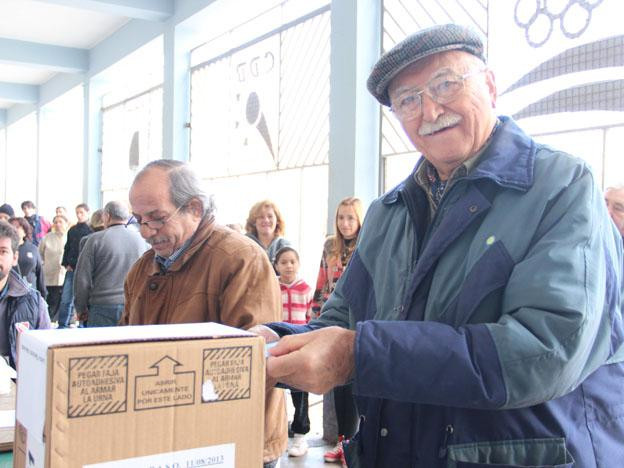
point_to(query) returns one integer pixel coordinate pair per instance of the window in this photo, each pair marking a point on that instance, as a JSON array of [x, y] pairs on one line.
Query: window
[[61, 148], [21, 174], [131, 137], [260, 121], [3, 162], [132, 118]]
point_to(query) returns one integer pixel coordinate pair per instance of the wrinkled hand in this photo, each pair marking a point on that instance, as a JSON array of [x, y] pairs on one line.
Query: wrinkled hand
[[314, 362]]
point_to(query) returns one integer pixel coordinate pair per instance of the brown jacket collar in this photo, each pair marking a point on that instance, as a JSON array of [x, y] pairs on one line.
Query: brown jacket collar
[[200, 236]]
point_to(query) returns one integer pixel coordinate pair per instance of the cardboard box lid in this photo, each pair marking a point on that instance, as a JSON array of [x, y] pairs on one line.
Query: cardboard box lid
[[53, 338]]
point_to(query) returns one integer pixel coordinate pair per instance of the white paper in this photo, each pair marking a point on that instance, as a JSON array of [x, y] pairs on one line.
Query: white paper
[[35, 452], [219, 456], [7, 418], [31, 380]]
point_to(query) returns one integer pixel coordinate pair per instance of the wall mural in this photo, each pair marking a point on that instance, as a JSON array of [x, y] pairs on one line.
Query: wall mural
[[568, 56], [539, 18]]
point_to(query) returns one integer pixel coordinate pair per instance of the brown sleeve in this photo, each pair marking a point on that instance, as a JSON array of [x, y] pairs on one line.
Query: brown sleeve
[[250, 293], [128, 298]]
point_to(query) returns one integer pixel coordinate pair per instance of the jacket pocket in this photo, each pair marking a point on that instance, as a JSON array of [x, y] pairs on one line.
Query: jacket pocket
[[357, 288], [534, 453], [484, 283]]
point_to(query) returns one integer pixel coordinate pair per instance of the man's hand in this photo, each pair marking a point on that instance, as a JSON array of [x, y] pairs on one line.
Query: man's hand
[[313, 362], [83, 315]]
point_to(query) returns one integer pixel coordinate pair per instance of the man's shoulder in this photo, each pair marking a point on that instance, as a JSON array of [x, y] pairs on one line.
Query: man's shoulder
[[558, 169], [144, 263], [122, 232], [17, 286], [79, 228], [231, 242]]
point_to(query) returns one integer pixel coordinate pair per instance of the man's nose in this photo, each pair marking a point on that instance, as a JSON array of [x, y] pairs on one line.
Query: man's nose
[[430, 109]]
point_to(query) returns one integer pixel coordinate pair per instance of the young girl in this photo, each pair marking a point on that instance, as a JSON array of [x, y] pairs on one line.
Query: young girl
[[336, 255], [296, 301]]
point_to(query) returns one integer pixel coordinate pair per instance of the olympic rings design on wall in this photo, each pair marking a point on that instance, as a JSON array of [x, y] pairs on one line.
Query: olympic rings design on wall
[[538, 18]]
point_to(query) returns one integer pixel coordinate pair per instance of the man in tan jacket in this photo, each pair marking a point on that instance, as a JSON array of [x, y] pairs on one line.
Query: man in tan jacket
[[198, 271]]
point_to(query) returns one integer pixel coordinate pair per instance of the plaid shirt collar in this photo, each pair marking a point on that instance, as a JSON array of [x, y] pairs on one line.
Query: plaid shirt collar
[[428, 178], [166, 262]]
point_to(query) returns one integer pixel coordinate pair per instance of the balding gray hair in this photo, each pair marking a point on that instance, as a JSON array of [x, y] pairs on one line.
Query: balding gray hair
[[184, 185], [117, 210]]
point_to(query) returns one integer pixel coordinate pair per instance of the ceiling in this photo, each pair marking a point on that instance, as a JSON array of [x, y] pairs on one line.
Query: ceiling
[[42, 38]]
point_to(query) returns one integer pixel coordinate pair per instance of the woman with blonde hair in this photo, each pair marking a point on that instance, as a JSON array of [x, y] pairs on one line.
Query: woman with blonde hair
[[337, 252], [338, 249], [266, 226]]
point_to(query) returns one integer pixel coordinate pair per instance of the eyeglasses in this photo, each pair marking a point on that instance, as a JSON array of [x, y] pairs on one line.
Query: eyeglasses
[[154, 224], [442, 88]]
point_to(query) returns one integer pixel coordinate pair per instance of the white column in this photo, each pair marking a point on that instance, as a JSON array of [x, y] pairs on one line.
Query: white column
[[176, 94], [92, 131], [354, 113]]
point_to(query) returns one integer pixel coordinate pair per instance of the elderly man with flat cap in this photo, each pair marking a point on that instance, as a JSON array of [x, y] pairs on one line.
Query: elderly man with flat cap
[[480, 316]]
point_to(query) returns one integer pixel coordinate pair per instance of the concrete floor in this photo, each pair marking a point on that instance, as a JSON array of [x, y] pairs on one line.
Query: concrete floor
[[314, 457]]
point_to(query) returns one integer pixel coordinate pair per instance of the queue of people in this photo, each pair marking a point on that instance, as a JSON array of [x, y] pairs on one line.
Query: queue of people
[[473, 318]]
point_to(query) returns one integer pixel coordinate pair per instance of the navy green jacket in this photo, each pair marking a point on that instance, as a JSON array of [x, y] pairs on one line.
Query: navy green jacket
[[21, 304], [492, 334]]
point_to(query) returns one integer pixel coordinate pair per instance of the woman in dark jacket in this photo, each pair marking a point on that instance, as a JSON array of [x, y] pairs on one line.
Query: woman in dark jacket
[[29, 264]]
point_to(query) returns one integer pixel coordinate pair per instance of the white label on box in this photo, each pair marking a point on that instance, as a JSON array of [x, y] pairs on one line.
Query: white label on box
[[31, 384], [35, 452], [220, 456], [7, 419]]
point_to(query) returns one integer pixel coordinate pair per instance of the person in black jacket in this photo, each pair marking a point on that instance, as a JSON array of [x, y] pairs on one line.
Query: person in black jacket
[[21, 306], [29, 264], [70, 259]]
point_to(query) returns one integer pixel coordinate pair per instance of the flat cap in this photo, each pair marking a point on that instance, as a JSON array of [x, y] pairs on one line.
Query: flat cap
[[425, 42]]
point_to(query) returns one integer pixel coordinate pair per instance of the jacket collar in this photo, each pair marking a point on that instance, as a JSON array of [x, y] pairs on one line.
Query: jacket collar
[[200, 236], [508, 161], [17, 286]]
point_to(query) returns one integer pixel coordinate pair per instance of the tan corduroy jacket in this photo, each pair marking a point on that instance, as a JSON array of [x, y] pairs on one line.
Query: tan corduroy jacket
[[222, 277]]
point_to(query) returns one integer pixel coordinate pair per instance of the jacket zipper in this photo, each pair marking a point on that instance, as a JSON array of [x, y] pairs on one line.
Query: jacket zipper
[[448, 432]]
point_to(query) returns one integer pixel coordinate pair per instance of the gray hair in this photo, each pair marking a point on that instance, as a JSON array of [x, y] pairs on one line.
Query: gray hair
[[117, 210], [184, 185], [9, 232]]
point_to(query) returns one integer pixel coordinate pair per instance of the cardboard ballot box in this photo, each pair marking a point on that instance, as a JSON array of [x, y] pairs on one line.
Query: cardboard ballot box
[[142, 396]]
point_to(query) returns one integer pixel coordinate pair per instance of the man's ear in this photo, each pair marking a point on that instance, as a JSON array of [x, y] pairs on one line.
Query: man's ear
[[15, 257], [490, 81], [196, 207]]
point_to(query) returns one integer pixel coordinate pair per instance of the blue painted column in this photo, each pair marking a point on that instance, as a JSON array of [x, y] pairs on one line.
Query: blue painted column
[[176, 93], [354, 114], [92, 162], [354, 121]]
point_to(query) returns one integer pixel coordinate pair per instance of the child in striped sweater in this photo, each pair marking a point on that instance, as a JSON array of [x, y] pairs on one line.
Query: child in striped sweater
[[297, 307]]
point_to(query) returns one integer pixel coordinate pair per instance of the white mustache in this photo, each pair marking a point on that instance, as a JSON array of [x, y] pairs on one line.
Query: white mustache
[[444, 121], [154, 240]]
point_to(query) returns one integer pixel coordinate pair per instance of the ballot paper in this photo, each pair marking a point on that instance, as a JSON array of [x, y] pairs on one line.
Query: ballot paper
[[7, 375]]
